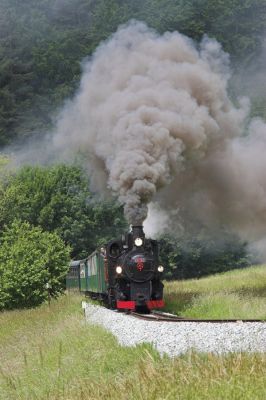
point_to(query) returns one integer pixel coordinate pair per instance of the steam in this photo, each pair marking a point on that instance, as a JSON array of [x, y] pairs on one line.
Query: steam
[[155, 123]]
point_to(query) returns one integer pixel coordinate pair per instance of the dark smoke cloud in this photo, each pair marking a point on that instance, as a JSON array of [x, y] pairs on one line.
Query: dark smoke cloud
[[147, 105], [155, 122]]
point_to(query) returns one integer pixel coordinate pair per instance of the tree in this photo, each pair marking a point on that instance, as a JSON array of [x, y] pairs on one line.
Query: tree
[[29, 259], [57, 198], [192, 257]]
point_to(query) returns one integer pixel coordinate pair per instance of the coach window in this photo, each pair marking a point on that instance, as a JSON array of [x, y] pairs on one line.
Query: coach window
[[89, 268], [82, 270]]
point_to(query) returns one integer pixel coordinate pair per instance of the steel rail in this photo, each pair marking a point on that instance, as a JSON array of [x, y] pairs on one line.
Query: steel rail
[[157, 316]]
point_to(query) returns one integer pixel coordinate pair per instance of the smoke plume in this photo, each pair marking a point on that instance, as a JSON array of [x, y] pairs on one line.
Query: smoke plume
[[155, 122]]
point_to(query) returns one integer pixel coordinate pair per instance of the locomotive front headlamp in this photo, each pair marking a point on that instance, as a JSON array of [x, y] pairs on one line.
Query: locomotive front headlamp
[[118, 270], [160, 268], [138, 242]]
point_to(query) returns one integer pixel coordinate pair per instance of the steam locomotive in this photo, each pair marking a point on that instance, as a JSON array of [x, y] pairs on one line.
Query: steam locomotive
[[125, 274]]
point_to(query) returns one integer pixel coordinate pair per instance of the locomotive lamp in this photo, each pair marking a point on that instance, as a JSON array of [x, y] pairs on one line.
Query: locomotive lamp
[[118, 270], [138, 242], [160, 268]]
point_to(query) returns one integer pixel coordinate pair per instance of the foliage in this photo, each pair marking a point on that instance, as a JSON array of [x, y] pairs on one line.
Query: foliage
[[258, 108], [238, 25], [57, 198], [43, 42], [192, 257], [30, 258], [4, 172]]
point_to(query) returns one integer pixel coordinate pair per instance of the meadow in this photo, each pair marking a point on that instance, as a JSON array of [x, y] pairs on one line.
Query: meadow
[[51, 353], [233, 294]]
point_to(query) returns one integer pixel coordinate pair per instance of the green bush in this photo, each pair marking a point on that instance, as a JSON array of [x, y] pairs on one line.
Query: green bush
[[29, 259], [193, 257]]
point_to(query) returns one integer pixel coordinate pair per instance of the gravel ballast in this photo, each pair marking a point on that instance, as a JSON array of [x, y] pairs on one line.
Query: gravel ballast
[[177, 338]]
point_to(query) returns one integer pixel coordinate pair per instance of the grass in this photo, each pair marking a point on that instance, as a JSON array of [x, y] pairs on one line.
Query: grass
[[51, 353], [234, 294]]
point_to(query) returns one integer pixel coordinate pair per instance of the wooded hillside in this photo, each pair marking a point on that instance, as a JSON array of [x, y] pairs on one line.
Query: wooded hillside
[[42, 44]]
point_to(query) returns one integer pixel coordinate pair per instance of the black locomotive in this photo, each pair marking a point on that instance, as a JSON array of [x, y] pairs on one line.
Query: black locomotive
[[125, 273], [134, 273]]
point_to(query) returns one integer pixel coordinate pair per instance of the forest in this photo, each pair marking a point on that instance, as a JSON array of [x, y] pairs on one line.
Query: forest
[[43, 45]]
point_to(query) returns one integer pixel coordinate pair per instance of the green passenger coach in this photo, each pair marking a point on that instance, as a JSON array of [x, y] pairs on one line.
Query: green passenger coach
[[88, 275], [73, 276]]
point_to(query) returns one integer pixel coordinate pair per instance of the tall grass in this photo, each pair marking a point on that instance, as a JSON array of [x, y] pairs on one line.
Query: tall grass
[[51, 353], [234, 294]]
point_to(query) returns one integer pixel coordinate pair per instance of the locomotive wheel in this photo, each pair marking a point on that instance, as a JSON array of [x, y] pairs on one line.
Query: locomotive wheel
[[111, 301], [143, 310]]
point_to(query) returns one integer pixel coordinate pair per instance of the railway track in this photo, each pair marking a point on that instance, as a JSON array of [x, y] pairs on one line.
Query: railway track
[[165, 317]]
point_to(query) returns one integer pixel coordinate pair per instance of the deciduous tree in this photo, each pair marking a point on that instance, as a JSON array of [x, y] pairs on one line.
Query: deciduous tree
[[29, 260]]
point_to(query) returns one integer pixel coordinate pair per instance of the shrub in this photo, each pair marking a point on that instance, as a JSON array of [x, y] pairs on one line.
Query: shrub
[[193, 257], [29, 259]]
